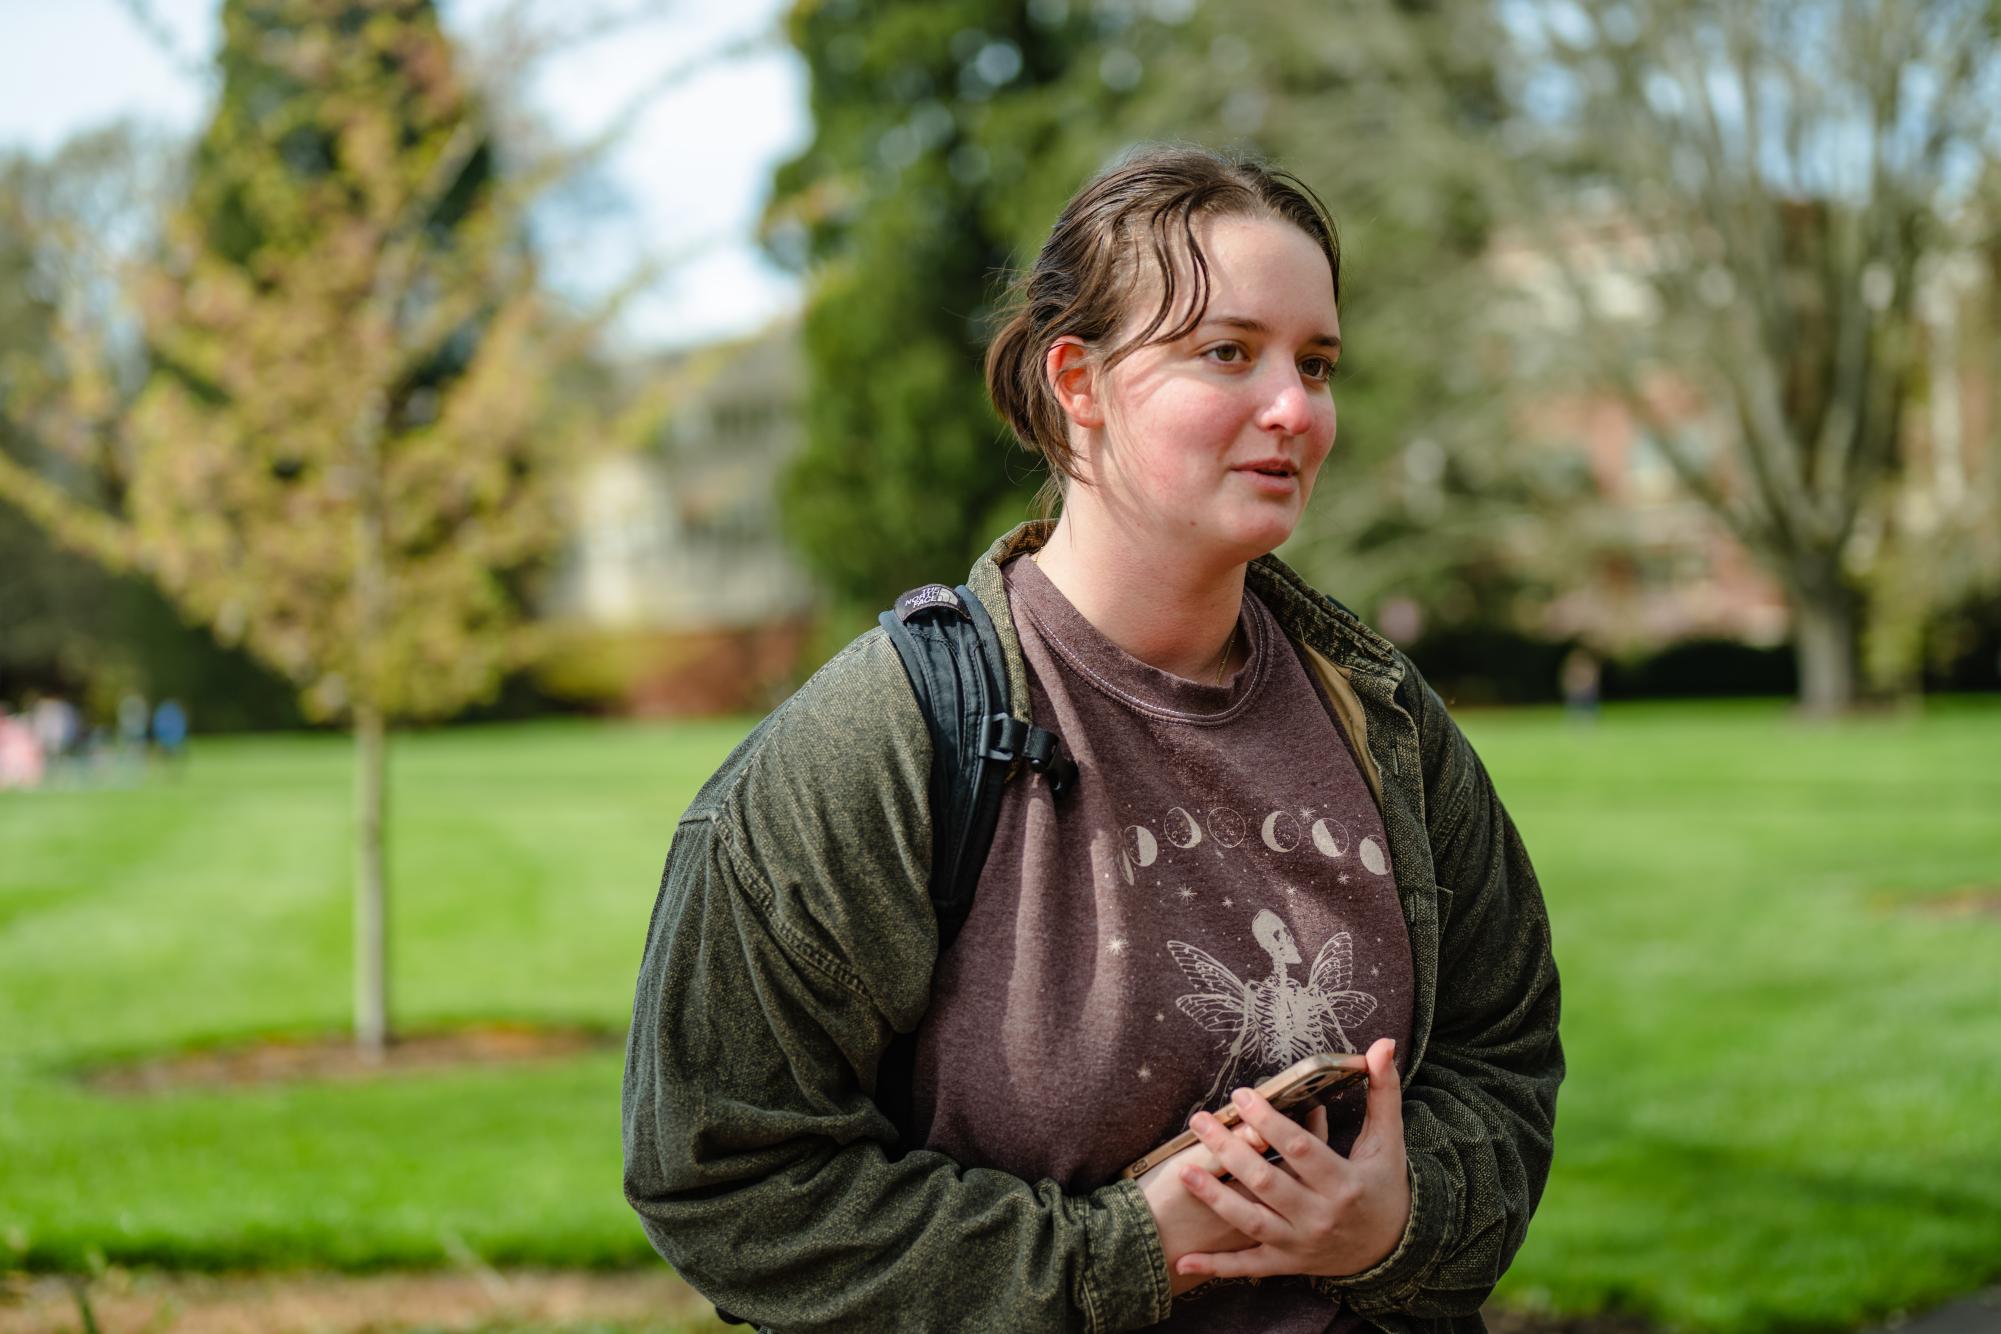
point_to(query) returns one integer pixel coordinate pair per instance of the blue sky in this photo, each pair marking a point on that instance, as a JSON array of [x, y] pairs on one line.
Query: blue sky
[[692, 174]]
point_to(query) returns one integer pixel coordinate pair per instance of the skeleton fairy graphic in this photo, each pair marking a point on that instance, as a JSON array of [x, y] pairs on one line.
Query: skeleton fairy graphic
[[1274, 1020]]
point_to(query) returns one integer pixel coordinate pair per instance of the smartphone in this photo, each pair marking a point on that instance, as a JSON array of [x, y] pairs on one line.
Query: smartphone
[[1299, 1082]]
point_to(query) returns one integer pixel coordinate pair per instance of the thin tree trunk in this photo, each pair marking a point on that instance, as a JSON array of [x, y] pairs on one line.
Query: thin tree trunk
[[371, 592], [371, 894], [1826, 630]]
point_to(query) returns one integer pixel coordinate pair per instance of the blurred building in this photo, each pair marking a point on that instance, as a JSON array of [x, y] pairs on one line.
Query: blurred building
[[1661, 567], [1657, 565], [677, 594]]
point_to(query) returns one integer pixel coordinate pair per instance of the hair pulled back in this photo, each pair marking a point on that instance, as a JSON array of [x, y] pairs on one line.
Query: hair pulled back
[[1141, 210]]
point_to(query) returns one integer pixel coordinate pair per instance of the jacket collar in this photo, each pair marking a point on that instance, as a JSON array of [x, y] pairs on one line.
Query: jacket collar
[[1305, 613]]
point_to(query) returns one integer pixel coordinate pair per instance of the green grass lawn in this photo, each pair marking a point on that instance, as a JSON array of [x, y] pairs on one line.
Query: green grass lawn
[[1783, 1111]]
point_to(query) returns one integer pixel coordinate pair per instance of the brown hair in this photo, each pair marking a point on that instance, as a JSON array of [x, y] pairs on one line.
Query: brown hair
[[1081, 281]]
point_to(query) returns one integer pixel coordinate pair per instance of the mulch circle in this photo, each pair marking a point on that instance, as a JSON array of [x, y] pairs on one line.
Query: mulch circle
[[1969, 901], [335, 1058], [158, 1302]]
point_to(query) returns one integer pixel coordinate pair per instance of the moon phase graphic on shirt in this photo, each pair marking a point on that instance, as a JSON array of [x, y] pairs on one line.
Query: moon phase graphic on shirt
[[1330, 837], [1272, 833], [1226, 826], [1183, 828], [1140, 849], [1194, 833], [1275, 1020]]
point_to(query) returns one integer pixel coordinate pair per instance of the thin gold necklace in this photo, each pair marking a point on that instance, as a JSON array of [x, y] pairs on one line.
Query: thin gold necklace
[[1224, 661]]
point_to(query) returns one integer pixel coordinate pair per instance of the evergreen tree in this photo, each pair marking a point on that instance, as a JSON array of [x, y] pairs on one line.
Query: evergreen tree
[[906, 472]]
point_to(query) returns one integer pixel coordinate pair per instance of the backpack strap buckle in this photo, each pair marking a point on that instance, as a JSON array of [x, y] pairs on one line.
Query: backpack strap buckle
[[1005, 737], [1044, 753], [1008, 739]]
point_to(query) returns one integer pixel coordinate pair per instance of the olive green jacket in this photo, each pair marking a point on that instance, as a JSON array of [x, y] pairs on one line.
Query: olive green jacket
[[793, 938]]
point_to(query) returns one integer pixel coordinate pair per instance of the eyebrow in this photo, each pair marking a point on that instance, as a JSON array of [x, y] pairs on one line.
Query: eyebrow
[[1249, 325]]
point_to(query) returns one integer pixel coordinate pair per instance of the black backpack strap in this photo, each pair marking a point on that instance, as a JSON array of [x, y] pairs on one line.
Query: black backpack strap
[[953, 658]]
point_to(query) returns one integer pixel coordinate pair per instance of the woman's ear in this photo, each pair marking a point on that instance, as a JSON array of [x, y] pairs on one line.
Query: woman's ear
[[1073, 378]]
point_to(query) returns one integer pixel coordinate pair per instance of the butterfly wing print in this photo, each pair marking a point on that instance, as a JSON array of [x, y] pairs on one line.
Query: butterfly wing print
[[1339, 1008], [1220, 1003]]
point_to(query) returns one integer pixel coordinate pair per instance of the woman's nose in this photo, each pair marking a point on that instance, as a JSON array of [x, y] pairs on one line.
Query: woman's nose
[[1289, 410]]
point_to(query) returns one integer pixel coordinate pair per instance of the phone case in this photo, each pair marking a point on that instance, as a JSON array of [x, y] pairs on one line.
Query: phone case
[[1297, 1083]]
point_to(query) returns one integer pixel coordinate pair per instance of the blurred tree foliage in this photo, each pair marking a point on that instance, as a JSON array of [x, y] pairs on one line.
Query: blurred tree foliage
[[902, 476], [948, 137], [1785, 212], [66, 624], [341, 455]]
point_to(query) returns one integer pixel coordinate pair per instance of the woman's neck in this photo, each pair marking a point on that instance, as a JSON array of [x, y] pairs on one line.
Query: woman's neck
[[1168, 609]]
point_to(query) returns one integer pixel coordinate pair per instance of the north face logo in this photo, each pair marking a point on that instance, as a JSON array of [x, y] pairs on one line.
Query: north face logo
[[925, 598]]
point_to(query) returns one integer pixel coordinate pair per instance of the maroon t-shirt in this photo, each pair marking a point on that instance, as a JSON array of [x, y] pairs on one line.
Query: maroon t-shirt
[[1211, 902]]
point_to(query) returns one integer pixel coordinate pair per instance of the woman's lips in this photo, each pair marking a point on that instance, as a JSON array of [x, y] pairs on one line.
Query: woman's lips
[[1270, 483]]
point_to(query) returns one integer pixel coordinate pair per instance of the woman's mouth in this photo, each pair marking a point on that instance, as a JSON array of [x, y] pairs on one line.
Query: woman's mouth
[[1271, 476]]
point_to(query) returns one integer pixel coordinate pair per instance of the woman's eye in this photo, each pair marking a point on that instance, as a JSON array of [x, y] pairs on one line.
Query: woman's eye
[[1236, 353], [1318, 368]]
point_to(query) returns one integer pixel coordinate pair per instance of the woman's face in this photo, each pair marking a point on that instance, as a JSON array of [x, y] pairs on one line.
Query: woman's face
[[1215, 438]]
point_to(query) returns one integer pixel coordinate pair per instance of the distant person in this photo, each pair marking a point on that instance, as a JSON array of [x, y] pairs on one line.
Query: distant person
[[170, 731], [21, 762], [132, 716], [1580, 681], [58, 726], [1276, 843]]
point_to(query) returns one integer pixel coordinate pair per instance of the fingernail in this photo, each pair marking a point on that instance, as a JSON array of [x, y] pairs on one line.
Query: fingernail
[[1242, 1097]]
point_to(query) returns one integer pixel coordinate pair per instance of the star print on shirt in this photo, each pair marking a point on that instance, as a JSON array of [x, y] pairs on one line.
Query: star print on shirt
[[1117, 945]]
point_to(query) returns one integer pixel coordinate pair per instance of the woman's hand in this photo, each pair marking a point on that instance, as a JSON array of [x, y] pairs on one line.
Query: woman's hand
[[1185, 1223], [1319, 1214]]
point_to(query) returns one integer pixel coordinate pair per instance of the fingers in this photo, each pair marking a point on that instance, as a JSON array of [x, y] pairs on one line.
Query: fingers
[[1304, 1149], [1268, 1181], [1210, 1163], [1200, 1156], [1229, 1202], [1316, 1122], [1253, 1261], [1384, 1117]]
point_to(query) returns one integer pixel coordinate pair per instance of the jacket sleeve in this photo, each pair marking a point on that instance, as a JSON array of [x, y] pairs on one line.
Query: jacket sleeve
[[791, 938], [1480, 1110]]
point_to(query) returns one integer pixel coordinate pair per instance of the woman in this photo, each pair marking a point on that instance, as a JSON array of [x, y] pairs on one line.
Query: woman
[[1277, 843]]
